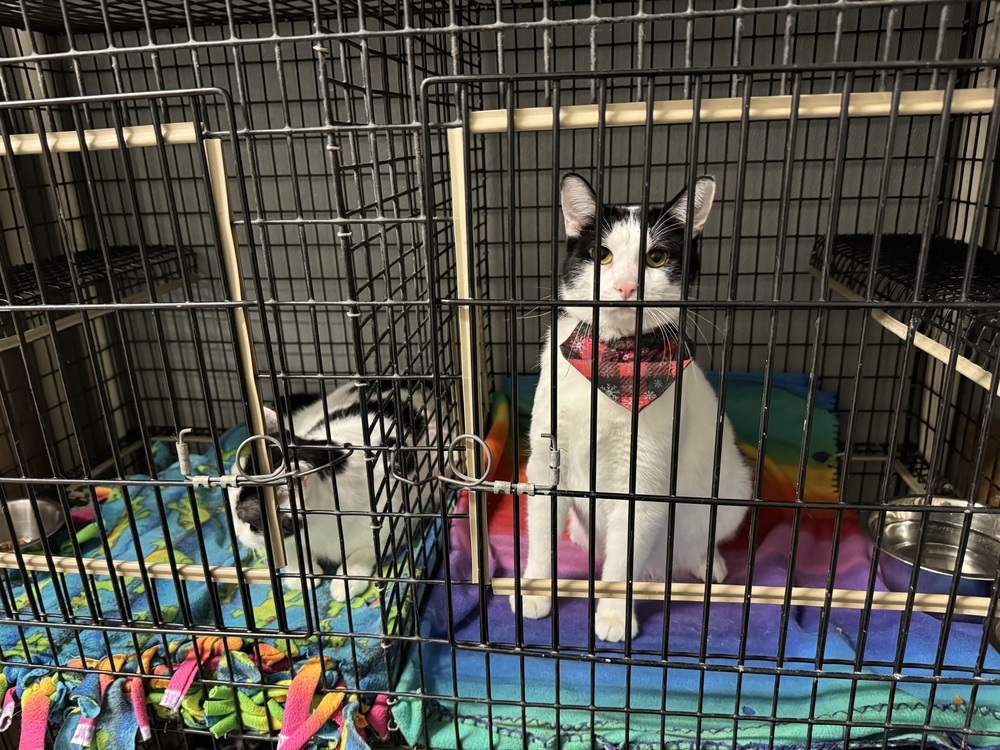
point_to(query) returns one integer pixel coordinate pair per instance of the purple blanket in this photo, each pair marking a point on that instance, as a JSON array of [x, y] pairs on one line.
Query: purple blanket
[[733, 707]]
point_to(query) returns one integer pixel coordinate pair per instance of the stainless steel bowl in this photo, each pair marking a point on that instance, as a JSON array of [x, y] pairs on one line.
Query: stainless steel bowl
[[940, 553], [993, 633], [26, 531]]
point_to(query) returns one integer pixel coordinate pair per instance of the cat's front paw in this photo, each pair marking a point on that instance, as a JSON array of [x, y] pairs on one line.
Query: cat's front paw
[[358, 568], [610, 621], [719, 568], [532, 607], [344, 591]]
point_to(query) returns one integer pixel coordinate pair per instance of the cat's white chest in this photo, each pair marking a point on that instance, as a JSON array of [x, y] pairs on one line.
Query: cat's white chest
[[599, 454]]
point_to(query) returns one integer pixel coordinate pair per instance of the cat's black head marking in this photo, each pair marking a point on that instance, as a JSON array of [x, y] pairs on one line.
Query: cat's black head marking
[[616, 245]]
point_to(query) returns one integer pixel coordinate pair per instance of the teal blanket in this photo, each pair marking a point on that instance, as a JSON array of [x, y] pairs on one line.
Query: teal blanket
[[160, 525]]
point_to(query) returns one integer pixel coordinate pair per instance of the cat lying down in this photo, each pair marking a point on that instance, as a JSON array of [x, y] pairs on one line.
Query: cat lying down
[[334, 477]]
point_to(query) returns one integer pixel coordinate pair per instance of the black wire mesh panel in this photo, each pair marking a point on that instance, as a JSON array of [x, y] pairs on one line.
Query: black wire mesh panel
[[82, 18], [124, 267], [335, 272], [901, 275], [86, 17]]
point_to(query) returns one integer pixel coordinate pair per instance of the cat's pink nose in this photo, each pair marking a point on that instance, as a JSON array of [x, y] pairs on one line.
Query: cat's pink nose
[[626, 288]]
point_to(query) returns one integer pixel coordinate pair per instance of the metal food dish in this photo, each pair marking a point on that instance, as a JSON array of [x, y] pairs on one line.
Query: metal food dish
[[993, 633], [941, 552], [22, 517]]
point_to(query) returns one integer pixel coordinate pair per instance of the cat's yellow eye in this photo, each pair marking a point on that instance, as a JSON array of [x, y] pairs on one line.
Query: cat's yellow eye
[[656, 258], [606, 255]]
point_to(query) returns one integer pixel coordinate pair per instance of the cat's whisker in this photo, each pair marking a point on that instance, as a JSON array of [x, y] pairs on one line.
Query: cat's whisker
[[695, 317], [700, 332], [538, 287], [665, 224], [528, 314]]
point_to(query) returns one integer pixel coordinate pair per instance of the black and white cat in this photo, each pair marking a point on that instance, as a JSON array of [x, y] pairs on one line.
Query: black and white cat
[[617, 247], [341, 484]]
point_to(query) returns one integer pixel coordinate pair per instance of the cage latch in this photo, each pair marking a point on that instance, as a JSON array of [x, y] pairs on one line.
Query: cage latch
[[510, 488], [205, 481], [497, 487]]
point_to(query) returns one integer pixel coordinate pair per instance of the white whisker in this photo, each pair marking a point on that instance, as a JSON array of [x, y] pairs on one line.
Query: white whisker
[[705, 320], [527, 315]]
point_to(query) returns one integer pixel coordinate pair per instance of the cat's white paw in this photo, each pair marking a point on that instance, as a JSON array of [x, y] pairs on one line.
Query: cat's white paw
[[292, 582], [610, 621], [532, 607], [342, 593], [719, 568]]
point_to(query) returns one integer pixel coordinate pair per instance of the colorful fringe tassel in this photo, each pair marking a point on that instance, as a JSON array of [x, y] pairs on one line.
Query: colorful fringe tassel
[[299, 725], [36, 701], [9, 706], [206, 650]]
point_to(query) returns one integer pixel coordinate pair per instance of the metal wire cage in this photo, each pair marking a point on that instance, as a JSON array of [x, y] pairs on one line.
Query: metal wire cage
[[186, 243], [209, 209]]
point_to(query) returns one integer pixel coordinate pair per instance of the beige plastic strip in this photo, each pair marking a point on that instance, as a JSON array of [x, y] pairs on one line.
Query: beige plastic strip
[[244, 341], [811, 106], [916, 486], [735, 593], [245, 354], [99, 567], [133, 447], [456, 166], [632, 114], [102, 139]]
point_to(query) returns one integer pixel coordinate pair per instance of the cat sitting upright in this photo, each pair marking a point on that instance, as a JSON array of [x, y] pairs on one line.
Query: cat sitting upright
[[333, 477], [660, 351]]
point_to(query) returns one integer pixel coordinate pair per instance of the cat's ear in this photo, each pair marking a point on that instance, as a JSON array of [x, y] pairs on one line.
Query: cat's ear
[[579, 204], [704, 194]]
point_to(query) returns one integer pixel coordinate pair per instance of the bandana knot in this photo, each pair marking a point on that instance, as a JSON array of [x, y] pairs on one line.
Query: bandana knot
[[656, 352]]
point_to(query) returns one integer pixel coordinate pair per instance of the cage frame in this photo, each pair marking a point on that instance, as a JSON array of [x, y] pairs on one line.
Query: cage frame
[[146, 136], [983, 100]]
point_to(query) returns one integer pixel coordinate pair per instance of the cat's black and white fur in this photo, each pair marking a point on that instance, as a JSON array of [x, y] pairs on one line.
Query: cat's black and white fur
[[322, 434], [617, 242]]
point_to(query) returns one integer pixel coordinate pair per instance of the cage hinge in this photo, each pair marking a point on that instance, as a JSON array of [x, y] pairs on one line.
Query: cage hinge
[[183, 453], [199, 481]]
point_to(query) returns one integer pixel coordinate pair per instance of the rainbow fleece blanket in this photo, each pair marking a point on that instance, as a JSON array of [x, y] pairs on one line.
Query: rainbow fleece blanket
[[783, 436], [255, 682], [516, 695]]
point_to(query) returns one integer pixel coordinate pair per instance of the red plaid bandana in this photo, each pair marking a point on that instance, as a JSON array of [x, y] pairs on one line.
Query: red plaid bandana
[[657, 357]]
